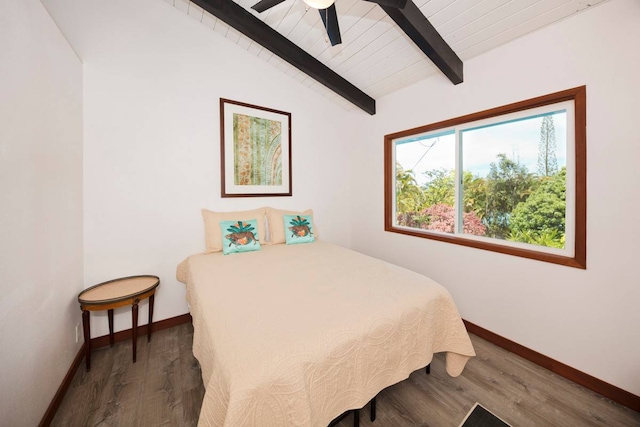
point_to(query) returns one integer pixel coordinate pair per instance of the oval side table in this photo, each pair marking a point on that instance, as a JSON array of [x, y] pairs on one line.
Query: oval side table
[[113, 294]]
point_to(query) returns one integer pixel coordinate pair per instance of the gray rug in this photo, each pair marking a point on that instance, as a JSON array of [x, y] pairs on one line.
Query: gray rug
[[479, 416]]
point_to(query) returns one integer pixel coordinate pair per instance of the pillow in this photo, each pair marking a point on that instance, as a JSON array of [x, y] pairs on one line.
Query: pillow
[[212, 233], [276, 224], [239, 236], [298, 229]]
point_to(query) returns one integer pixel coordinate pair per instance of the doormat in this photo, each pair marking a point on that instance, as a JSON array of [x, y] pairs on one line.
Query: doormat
[[479, 416]]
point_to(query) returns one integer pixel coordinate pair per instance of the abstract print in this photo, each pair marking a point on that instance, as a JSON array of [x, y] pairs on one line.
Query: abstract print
[[258, 150]]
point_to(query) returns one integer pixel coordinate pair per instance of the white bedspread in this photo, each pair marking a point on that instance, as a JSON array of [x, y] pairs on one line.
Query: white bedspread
[[296, 335]]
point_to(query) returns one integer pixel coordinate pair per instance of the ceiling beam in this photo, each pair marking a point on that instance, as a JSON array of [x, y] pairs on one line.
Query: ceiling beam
[[424, 35], [243, 21]]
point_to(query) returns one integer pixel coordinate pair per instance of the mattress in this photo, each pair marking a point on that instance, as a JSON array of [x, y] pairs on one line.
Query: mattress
[[294, 335]]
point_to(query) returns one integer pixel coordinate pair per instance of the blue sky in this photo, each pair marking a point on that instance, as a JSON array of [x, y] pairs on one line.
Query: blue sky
[[517, 139]]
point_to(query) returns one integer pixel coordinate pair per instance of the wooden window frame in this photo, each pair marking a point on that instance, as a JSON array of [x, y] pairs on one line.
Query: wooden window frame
[[579, 258]]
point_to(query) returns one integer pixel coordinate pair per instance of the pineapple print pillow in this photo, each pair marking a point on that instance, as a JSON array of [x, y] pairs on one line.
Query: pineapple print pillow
[[239, 236], [298, 229]]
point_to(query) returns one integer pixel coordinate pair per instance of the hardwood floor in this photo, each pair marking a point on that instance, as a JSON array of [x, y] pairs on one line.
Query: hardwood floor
[[164, 388]]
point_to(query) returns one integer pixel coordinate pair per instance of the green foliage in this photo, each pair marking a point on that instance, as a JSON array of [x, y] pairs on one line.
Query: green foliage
[[510, 203], [508, 183], [541, 218], [409, 196], [475, 194], [409, 199], [548, 238], [440, 188]]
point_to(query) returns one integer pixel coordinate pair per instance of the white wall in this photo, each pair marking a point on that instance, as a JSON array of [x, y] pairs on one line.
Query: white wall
[[40, 209], [586, 319], [153, 77]]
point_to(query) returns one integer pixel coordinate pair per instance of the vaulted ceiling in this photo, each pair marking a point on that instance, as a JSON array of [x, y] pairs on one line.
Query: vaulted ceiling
[[376, 56]]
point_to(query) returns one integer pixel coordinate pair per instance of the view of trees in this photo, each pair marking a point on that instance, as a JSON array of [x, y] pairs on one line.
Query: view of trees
[[547, 162], [509, 203]]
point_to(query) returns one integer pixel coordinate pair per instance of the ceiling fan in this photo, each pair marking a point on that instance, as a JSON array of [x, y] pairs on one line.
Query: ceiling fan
[[327, 9]]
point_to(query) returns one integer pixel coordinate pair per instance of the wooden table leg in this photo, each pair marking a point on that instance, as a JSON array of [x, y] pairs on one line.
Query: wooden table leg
[[151, 298], [86, 328], [373, 409], [134, 321], [110, 316]]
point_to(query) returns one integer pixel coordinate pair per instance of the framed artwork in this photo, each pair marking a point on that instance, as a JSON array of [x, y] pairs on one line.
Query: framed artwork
[[255, 150]]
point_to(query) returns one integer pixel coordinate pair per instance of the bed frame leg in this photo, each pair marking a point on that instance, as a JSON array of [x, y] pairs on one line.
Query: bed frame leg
[[373, 409], [428, 369], [356, 418]]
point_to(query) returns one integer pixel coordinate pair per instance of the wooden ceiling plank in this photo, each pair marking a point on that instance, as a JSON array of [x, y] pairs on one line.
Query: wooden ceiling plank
[[305, 23], [373, 57], [505, 19], [407, 75], [351, 13], [521, 29], [360, 11], [349, 17], [432, 7], [314, 33], [452, 11], [421, 3], [276, 15], [402, 58], [413, 22], [252, 27], [381, 30], [353, 36], [291, 20], [468, 17], [373, 50], [475, 29]]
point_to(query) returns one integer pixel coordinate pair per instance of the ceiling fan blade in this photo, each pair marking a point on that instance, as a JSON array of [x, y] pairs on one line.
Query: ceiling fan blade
[[263, 5], [330, 19], [398, 4]]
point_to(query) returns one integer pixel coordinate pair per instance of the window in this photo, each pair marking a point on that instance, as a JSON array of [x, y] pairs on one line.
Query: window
[[511, 179]]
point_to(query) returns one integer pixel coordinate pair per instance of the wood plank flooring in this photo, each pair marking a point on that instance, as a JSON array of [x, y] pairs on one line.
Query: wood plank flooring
[[164, 388]]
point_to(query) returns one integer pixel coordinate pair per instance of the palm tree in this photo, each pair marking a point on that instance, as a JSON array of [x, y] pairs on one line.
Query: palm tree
[[409, 196]]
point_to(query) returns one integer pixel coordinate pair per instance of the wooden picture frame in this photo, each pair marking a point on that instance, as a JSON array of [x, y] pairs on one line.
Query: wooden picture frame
[[255, 150]]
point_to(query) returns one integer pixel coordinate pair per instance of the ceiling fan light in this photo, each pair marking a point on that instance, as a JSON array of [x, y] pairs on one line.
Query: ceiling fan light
[[319, 4]]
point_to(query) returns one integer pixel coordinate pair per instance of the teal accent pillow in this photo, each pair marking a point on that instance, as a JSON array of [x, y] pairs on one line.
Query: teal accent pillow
[[298, 229], [239, 236]]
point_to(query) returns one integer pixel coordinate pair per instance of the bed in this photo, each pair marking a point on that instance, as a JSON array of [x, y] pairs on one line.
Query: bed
[[295, 335]]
